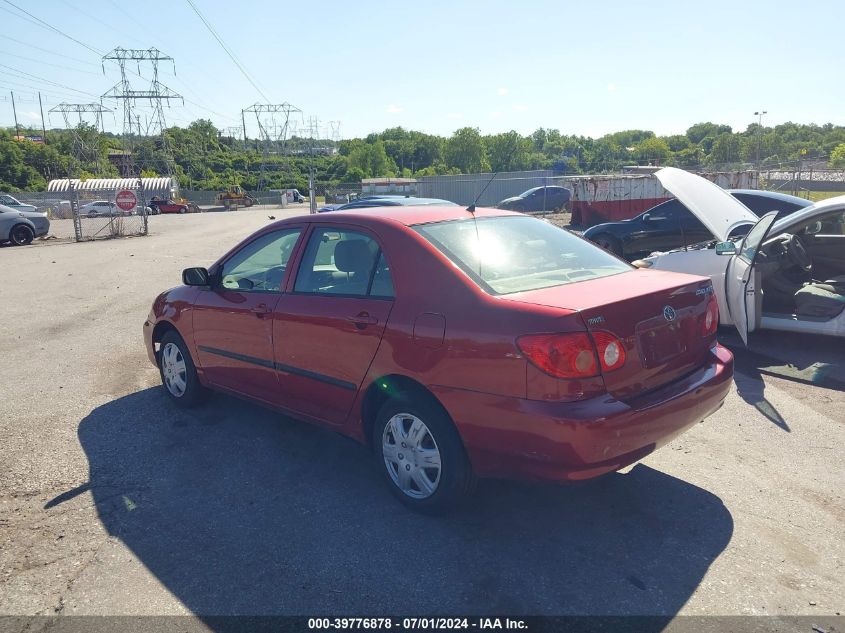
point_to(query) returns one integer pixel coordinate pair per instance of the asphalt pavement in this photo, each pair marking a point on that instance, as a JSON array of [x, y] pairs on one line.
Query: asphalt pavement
[[114, 502]]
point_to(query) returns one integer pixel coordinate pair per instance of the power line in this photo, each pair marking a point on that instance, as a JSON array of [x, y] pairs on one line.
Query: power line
[[38, 61], [225, 48], [44, 50], [37, 78], [53, 28]]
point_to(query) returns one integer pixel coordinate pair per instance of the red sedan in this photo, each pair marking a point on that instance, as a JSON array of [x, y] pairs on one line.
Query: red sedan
[[455, 344]]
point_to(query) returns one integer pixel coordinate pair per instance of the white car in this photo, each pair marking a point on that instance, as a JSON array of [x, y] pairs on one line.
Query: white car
[[101, 209], [782, 275]]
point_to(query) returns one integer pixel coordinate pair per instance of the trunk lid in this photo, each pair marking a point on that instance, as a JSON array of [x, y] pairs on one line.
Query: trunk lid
[[657, 315]]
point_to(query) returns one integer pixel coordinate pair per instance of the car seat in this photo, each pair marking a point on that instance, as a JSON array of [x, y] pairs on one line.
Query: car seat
[[824, 300]]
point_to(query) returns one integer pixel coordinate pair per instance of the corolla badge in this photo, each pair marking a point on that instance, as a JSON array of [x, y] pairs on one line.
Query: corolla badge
[[669, 313]]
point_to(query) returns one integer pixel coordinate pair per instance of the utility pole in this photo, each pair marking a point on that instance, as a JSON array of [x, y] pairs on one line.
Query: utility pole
[[15, 114], [759, 114], [43, 127]]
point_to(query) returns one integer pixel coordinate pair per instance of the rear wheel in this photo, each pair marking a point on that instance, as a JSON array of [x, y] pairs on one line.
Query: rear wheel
[[178, 372], [183, 209], [421, 454], [609, 243], [21, 235]]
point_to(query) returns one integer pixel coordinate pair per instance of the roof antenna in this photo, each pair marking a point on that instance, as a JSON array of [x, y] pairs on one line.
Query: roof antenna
[[471, 208]]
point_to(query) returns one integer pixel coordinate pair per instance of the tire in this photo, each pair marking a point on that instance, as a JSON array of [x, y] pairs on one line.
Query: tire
[[183, 210], [426, 490], [174, 362], [92, 214], [609, 243], [21, 235]]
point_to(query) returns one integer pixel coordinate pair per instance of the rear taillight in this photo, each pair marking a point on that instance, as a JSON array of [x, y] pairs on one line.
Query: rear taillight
[[710, 320], [561, 355], [610, 350], [573, 355]]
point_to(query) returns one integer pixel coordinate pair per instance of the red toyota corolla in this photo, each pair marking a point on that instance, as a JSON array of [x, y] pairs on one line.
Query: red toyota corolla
[[455, 344]]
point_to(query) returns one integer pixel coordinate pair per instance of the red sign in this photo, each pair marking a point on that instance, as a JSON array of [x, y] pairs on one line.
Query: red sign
[[126, 200]]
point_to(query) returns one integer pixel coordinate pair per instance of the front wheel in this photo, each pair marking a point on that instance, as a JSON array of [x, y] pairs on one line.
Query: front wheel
[[421, 454], [178, 372], [21, 235], [609, 243]]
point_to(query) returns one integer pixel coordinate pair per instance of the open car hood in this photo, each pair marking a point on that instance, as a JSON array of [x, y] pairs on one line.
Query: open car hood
[[718, 210]]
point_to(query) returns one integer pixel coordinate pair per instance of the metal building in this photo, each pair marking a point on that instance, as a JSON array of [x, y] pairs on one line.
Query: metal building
[[162, 187]]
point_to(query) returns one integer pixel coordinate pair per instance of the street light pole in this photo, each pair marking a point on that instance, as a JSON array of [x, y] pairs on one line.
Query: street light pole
[[759, 114]]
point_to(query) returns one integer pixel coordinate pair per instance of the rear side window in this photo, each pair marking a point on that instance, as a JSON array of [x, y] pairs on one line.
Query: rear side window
[[344, 263], [516, 253]]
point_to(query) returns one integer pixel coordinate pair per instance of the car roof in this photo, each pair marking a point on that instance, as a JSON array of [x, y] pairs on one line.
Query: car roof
[[407, 215], [774, 195], [398, 201], [806, 214]]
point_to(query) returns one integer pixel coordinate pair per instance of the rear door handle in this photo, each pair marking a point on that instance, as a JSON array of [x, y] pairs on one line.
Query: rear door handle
[[261, 310], [362, 320]]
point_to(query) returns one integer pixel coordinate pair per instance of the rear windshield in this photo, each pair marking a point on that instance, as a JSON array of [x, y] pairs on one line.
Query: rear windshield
[[513, 254]]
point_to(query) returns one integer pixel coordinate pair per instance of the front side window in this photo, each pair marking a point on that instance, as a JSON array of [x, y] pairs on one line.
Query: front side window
[[8, 200], [260, 265], [341, 262], [513, 254]]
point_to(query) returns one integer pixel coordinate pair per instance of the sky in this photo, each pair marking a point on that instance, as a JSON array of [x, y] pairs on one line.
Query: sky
[[585, 68]]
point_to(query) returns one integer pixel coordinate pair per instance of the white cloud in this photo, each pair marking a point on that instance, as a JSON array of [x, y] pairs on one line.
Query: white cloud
[[393, 109], [31, 115], [520, 107], [502, 92], [611, 87]]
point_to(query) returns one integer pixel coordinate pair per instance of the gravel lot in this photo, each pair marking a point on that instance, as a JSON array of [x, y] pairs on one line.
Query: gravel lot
[[114, 502]]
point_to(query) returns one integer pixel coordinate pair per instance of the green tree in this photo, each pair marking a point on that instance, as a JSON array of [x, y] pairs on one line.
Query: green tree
[[653, 150], [465, 151], [837, 157], [508, 151]]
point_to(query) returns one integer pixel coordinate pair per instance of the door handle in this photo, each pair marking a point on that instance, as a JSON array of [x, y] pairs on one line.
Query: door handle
[[362, 320], [261, 310]]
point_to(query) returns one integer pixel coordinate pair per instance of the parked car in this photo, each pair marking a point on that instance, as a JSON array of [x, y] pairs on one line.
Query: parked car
[[166, 205], [172, 205], [455, 344], [394, 201], [538, 199], [784, 274], [671, 225], [21, 227], [14, 203], [100, 209]]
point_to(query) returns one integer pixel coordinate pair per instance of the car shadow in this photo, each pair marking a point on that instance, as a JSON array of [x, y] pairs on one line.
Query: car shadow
[[238, 510], [800, 358]]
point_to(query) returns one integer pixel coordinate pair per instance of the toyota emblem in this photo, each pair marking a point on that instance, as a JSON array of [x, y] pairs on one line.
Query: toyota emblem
[[669, 313]]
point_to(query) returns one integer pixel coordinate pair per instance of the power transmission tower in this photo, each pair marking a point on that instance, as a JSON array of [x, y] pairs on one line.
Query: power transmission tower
[[334, 131], [85, 122], [273, 122], [156, 95]]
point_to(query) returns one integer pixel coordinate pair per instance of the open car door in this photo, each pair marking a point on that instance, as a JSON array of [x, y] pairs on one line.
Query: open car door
[[742, 285]]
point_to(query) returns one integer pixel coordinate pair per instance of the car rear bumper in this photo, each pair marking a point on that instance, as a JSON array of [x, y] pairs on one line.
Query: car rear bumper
[[569, 441]]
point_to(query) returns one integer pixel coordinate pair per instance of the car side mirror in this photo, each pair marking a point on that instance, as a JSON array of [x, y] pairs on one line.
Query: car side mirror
[[725, 248], [646, 217], [195, 277]]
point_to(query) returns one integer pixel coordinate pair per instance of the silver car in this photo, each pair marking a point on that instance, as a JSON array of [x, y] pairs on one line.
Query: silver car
[[14, 203], [21, 227]]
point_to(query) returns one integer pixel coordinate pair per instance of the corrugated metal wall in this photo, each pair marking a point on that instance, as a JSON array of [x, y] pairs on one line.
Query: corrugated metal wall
[[464, 188]]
